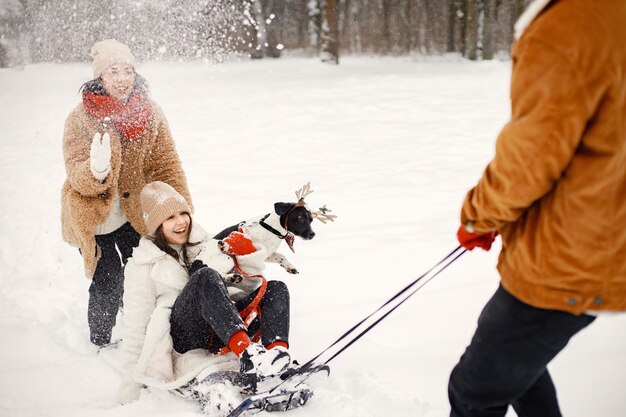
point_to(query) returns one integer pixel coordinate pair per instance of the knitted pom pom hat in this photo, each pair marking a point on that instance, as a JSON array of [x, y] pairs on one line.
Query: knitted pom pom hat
[[108, 52], [159, 201]]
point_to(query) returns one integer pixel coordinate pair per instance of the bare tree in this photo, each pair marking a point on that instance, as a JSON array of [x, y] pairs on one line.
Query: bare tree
[[453, 9], [274, 12], [330, 34], [315, 23], [386, 19], [408, 18], [471, 35], [489, 12], [258, 29]]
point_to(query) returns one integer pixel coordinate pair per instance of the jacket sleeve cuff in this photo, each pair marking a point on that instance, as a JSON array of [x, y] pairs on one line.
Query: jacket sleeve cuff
[[100, 175]]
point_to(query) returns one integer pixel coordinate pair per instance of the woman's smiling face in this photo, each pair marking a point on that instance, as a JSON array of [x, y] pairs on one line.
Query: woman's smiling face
[[118, 81], [176, 228]]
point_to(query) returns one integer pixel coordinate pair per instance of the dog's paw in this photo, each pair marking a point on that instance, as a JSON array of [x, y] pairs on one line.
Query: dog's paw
[[223, 246], [232, 278]]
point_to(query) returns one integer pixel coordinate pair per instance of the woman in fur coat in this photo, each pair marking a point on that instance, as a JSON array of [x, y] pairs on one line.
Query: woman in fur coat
[[180, 315], [115, 141]]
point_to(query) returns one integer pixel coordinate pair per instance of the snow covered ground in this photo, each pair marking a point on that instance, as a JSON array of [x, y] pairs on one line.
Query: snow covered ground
[[391, 145]]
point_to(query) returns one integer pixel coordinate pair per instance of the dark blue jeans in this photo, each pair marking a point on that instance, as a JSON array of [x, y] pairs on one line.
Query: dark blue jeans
[[107, 285], [203, 315], [505, 363]]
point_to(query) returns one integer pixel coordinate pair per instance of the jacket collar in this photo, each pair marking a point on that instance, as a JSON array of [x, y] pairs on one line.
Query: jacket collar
[[164, 269], [532, 11]]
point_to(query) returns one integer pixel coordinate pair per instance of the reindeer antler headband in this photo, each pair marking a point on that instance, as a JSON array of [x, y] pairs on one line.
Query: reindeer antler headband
[[303, 192], [321, 215]]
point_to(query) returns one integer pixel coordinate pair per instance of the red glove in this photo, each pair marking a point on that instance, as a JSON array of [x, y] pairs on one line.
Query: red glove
[[471, 240], [239, 244]]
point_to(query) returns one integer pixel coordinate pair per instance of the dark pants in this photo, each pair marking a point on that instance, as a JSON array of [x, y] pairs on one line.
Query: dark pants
[[203, 315], [107, 285], [506, 360]]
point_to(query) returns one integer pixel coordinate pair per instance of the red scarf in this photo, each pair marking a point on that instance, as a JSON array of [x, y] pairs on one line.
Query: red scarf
[[130, 119]]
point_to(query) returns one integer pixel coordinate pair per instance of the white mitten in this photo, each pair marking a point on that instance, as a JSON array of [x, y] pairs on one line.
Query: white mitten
[[100, 155]]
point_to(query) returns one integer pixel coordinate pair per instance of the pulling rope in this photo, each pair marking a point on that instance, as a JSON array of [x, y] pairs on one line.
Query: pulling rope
[[425, 277]]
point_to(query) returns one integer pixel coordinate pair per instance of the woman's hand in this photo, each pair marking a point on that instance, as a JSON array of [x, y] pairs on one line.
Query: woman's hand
[[100, 154]]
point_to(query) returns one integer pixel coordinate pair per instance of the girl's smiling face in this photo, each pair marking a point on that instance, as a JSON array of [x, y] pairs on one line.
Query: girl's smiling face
[[176, 228]]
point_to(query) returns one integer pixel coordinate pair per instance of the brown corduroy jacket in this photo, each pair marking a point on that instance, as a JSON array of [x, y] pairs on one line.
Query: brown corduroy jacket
[[85, 202], [556, 188]]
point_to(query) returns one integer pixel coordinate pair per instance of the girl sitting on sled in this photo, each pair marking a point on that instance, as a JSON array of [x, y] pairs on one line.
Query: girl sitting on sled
[[193, 307]]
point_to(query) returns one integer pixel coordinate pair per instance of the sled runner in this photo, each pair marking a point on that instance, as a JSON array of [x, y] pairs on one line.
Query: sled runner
[[284, 392], [231, 393], [282, 400]]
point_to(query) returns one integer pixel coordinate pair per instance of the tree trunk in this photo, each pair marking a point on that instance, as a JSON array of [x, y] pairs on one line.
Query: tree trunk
[[488, 28], [387, 41], [471, 37], [4, 57], [409, 26], [330, 49], [261, 30], [452, 12], [463, 22], [315, 23], [430, 26], [345, 28], [274, 12]]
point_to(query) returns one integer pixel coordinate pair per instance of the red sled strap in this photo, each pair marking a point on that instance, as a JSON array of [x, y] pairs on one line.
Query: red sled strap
[[251, 311]]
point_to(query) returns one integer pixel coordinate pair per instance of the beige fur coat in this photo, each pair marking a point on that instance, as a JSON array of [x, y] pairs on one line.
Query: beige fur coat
[[85, 202]]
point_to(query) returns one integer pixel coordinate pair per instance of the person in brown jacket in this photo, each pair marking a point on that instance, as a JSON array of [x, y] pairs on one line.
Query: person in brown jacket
[[115, 141], [556, 193]]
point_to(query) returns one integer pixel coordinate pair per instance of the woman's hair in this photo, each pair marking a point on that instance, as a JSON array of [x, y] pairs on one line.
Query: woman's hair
[[161, 242], [95, 86]]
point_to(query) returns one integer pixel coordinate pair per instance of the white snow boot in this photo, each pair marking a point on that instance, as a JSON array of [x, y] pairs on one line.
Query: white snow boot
[[264, 363]]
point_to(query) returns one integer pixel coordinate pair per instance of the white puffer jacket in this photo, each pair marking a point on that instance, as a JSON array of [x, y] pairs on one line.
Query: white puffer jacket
[[153, 280]]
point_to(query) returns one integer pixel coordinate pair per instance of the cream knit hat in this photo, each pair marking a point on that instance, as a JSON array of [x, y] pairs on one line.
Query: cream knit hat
[[108, 52], [158, 202]]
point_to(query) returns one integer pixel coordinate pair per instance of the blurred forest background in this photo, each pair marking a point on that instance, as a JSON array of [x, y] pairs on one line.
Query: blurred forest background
[[33, 31]]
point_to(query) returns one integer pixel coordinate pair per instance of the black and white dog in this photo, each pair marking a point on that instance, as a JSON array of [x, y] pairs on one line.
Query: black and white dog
[[284, 223]]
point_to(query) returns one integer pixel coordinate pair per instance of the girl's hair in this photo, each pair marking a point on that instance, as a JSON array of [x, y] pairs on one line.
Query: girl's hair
[[161, 242], [95, 86]]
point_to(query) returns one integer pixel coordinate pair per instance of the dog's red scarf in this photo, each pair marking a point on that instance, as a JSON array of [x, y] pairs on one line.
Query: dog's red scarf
[[130, 119]]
